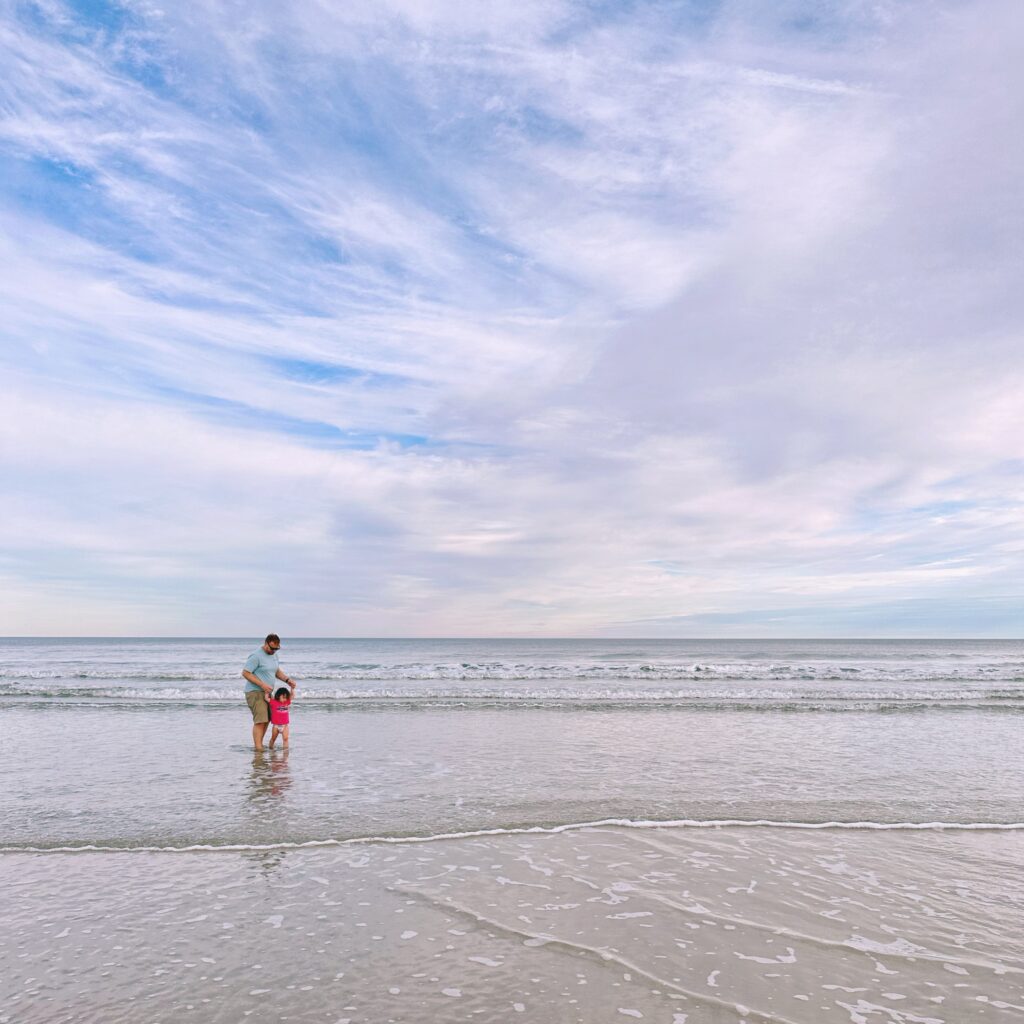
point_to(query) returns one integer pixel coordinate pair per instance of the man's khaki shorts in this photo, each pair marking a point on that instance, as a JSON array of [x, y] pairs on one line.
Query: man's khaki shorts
[[258, 706]]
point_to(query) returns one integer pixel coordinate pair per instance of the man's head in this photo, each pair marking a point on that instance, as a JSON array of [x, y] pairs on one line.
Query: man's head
[[272, 643]]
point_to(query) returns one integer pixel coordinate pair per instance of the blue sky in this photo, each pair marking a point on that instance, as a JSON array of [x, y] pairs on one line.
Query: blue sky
[[532, 318]]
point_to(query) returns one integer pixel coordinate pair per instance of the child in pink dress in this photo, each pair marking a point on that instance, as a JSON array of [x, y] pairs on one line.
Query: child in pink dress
[[279, 704]]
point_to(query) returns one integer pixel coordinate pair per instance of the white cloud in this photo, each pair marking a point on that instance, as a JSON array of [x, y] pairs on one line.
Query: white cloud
[[699, 321]]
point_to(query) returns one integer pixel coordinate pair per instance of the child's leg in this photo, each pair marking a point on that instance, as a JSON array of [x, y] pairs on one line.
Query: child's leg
[[284, 733], [274, 735]]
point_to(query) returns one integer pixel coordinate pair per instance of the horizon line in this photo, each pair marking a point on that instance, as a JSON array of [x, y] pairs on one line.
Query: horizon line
[[610, 639]]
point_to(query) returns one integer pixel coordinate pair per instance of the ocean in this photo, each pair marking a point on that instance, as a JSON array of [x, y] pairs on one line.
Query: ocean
[[552, 830]]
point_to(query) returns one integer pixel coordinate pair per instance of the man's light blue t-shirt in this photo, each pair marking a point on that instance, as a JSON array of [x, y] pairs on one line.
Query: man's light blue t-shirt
[[262, 665]]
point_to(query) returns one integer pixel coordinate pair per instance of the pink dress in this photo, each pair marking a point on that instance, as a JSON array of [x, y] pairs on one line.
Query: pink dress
[[278, 711]]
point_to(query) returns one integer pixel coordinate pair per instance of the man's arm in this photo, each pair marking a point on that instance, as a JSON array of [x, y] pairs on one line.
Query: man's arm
[[246, 674], [285, 678]]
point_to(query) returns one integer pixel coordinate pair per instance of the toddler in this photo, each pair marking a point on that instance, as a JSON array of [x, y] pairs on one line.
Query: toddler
[[279, 704]]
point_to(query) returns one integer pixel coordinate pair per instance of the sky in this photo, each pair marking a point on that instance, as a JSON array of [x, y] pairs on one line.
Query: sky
[[531, 318]]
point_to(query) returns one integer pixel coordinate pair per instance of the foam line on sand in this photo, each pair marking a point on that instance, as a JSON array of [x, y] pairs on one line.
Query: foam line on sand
[[937, 826]]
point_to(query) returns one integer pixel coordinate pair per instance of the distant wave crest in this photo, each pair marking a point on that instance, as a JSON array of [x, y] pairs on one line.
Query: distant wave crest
[[504, 671]]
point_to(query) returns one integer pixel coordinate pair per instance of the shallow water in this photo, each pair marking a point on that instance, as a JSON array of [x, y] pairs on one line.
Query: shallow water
[[180, 775], [202, 849]]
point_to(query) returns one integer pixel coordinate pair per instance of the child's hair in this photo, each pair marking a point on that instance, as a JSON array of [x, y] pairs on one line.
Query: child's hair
[[282, 693]]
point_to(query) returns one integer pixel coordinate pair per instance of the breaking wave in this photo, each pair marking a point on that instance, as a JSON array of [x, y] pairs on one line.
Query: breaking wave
[[577, 696]]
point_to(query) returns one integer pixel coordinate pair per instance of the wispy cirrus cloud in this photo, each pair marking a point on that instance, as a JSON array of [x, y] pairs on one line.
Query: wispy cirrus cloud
[[532, 318]]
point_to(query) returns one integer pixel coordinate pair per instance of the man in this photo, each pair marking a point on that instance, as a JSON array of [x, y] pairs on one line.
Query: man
[[259, 674]]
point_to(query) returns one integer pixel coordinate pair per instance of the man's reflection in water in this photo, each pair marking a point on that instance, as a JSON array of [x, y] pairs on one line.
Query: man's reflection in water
[[269, 782]]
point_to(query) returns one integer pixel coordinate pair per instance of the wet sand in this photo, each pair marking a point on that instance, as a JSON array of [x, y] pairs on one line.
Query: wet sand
[[676, 925]]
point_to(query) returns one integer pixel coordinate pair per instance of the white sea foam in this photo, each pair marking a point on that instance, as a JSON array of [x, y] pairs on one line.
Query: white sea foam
[[680, 823], [569, 693]]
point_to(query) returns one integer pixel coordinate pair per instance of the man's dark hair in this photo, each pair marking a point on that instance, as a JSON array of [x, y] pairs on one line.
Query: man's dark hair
[[282, 693], [272, 638]]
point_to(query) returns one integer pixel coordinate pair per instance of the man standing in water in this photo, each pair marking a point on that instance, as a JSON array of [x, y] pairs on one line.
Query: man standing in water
[[259, 674]]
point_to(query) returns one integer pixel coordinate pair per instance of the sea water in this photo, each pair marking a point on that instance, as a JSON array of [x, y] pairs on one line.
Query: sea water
[[554, 830]]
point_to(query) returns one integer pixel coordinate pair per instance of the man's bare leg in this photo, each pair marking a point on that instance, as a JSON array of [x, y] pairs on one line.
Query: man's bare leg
[[259, 730]]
